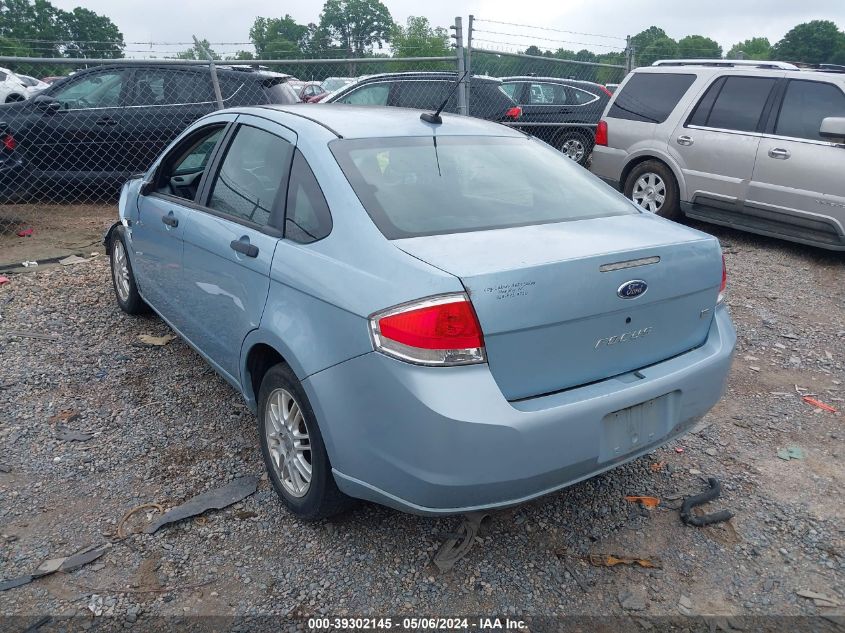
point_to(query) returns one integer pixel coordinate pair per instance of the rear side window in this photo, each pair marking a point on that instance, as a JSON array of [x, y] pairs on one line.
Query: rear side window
[[650, 97], [307, 218], [254, 168], [416, 186], [425, 95], [805, 105], [737, 103], [547, 94], [372, 94]]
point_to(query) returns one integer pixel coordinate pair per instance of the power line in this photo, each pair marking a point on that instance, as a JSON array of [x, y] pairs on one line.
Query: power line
[[545, 39], [546, 28]]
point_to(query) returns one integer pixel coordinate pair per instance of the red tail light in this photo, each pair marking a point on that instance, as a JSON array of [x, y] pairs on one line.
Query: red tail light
[[513, 113], [606, 91], [436, 331], [9, 142], [724, 285], [601, 133]]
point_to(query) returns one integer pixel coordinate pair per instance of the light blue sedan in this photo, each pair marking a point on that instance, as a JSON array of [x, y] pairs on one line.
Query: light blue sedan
[[439, 317]]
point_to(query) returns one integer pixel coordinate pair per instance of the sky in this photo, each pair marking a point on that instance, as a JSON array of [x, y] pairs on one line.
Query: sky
[[726, 21]]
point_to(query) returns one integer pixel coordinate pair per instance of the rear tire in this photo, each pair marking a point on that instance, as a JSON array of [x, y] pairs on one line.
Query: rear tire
[[651, 185], [293, 449], [122, 276], [576, 146], [15, 98]]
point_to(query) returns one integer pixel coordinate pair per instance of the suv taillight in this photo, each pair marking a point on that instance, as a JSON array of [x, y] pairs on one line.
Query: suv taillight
[[724, 285], [606, 91], [9, 142], [434, 331], [513, 113], [601, 133]]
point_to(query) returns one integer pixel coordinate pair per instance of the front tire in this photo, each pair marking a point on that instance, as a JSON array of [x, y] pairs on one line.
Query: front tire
[[122, 277], [576, 146], [651, 185], [293, 449]]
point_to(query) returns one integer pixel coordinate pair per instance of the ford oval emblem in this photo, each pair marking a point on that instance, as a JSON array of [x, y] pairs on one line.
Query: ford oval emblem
[[632, 289]]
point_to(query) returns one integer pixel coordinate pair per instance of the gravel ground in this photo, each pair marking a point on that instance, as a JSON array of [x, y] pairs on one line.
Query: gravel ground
[[165, 427]]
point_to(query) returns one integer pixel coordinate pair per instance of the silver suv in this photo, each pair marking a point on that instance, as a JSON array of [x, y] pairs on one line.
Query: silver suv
[[758, 146]]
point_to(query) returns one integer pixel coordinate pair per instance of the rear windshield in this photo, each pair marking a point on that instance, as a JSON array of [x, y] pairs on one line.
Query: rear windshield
[[428, 185], [650, 97], [280, 92]]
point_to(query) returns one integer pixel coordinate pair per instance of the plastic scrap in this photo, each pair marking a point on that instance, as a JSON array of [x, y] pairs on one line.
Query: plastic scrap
[[791, 452], [216, 499], [648, 502], [72, 259], [28, 263], [709, 495], [611, 560], [144, 506], [3, 280], [818, 404], [456, 547], [157, 341], [66, 435], [25, 233], [820, 599], [65, 564], [27, 334]]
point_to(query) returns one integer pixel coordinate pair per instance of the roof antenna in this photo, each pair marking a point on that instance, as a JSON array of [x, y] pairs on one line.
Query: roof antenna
[[434, 117]]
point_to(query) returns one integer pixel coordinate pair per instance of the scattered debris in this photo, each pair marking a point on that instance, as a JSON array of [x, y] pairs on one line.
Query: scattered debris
[[456, 547], [819, 599], [65, 415], [144, 506], [790, 336], [3, 280], [95, 604], [25, 233], [158, 341], [679, 449], [28, 334], [648, 502], [818, 404], [66, 564], [685, 605], [754, 368], [232, 492], [38, 624], [611, 560], [15, 582], [66, 435], [709, 495], [72, 259], [656, 467], [28, 264], [791, 452]]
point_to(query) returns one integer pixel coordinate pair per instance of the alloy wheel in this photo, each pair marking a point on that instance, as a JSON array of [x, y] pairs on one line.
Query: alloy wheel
[[649, 192], [574, 149], [120, 269], [288, 442]]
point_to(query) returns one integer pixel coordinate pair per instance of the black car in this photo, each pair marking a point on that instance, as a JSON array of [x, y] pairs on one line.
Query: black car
[[85, 134], [426, 91], [562, 112]]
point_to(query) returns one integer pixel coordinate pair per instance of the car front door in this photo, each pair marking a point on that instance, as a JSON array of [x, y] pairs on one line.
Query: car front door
[[376, 93], [157, 234], [716, 144], [230, 240], [798, 175]]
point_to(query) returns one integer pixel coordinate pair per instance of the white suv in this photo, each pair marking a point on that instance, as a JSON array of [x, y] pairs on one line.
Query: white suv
[[758, 146], [11, 87]]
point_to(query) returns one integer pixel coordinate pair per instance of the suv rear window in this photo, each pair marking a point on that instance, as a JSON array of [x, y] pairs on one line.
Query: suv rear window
[[650, 97], [416, 186]]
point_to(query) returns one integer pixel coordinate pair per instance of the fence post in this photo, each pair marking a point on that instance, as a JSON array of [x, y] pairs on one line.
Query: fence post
[[468, 65], [459, 51], [629, 55], [218, 96]]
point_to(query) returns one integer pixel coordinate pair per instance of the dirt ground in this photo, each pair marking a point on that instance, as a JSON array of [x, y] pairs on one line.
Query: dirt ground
[[57, 230], [164, 427]]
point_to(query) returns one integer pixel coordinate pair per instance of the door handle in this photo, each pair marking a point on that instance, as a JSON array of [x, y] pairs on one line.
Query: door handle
[[685, 140], [245, 248], [169, 220], [779, 152], [106, 121]]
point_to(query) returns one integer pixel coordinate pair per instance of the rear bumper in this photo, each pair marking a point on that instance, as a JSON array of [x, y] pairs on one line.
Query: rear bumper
[[445, 441], [608, 164]]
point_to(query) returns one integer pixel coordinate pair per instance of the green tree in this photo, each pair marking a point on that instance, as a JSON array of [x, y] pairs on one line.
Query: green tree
[[87, 34], [279, 38], [663, 48], [644, 39], [698, 47], [355, 26], [754, 48], [195, 53], [33, 24], [816, 42], [419, 39]]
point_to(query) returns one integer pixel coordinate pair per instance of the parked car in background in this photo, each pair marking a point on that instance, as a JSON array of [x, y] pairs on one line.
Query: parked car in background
[[562, 112], [33, 85], [307, 89], [426, 91], [84, 135], [52, 79], [394, 298], [330, 85], [758, 146], [611, 88], [12, 89]]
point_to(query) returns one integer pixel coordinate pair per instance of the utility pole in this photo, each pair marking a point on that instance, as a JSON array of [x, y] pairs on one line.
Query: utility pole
[[468, 68], [218, 96], [629, 55], [459, 51]]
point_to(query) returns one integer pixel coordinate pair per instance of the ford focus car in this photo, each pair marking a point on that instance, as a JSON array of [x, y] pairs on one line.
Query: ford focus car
[[439, 315]]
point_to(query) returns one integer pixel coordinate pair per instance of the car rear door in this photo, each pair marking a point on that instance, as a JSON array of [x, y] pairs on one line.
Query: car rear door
[[798, 183], [716, 142], [231, 237]]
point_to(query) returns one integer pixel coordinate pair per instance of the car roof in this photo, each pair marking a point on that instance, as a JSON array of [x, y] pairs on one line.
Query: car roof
[[559, 80], [225, 68], [747, 70], [354, 121], [434, 74]]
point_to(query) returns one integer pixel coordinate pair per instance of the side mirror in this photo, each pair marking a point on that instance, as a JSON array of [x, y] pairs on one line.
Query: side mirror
[[833, 127], [46, 103], [147, 187]]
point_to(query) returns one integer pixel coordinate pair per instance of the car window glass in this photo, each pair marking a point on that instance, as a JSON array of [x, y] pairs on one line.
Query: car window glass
[[181, 176], [582, 96], [96, 90], [374, 94], [170, 87], [425, 95], [805, 104], [254, 168], [547, 94], [740, 103], [511, 90], [307, 216], [3, 76], [650, 97]]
